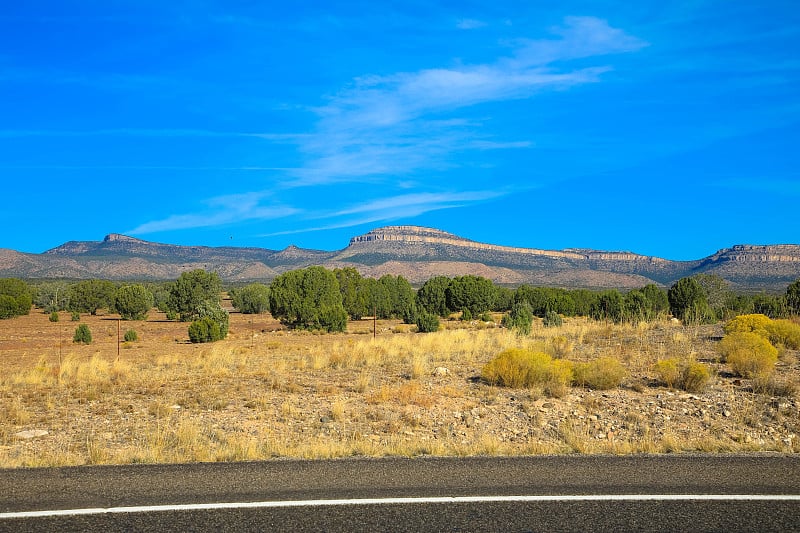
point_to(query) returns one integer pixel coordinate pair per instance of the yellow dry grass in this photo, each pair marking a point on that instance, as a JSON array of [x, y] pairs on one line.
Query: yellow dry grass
[[266, 392]]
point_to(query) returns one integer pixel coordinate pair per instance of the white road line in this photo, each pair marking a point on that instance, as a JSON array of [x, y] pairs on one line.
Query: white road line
[[401, 501]]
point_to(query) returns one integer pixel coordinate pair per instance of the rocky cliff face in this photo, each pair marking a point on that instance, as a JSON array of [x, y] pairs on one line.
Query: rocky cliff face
[[414, 252], [742, 253]]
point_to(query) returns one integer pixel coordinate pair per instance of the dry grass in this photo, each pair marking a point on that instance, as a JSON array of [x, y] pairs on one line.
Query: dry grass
[[265, 392]]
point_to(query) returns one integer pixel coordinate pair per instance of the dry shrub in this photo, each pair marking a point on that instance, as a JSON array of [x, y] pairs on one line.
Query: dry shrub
[[517, 368], [560, 346], [601, 374], [669, 371], [749, 354], [419, 365], [96, 371], [686, 374], [769, 385], [695, 377], [364, 381], [748, 323], [559, 378], [784, 333], [410, 393], [337, 410]]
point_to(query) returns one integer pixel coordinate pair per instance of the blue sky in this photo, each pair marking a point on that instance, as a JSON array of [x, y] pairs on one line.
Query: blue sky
[[663, 128]]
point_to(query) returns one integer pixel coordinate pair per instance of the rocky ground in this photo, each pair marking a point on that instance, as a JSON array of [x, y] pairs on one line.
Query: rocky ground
[[266, 392]]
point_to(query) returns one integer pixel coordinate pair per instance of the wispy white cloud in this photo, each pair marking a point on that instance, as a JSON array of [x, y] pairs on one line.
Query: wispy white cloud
[[417, 203], [221, 211], [386, 129], [384, 125], [491, 145], [400, 207], [469, 24]]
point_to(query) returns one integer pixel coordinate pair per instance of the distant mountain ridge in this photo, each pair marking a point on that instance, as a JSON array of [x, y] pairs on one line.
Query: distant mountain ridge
[[415, 252]]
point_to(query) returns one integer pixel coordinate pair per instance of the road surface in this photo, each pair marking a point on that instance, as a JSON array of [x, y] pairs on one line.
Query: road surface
[[552, 493]]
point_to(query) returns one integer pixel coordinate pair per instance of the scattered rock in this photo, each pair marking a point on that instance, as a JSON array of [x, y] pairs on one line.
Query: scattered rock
[[441, 371], [31, 434]]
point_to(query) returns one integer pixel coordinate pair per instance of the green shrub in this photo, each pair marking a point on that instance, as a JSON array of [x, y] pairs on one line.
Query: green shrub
[[82, 334], [427, 322], [214, 312], [54, 316], [517, 368], [552, 320], [75, 316], [212, 324], [466, 314], [486, 316], [204, 330], [601, 374], [131, 336], [749, 354]]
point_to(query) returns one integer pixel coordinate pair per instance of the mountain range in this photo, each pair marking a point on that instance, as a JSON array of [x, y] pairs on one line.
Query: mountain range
[[414, 252]]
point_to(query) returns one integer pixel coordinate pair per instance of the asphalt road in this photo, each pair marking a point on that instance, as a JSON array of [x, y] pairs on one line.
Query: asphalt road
[[430, 494]]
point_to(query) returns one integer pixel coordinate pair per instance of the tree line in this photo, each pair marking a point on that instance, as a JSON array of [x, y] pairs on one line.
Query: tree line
[[319, 298]]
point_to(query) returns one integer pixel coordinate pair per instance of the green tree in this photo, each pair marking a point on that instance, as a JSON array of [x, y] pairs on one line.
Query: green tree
[[608, 306], [191, 290], [793, 297], [635, 306], [251, 299], [504, 299], [377, 294], [584, 300], [645, 304], [471, 293], [520, 318], [90, 296], [401, 297], [309, 299], [774, 306], [432, 296], [716, 291], [161, 293], [687, 301], [52, 296], [544, 299], [133, 302], [356, 292], [16, 298]]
